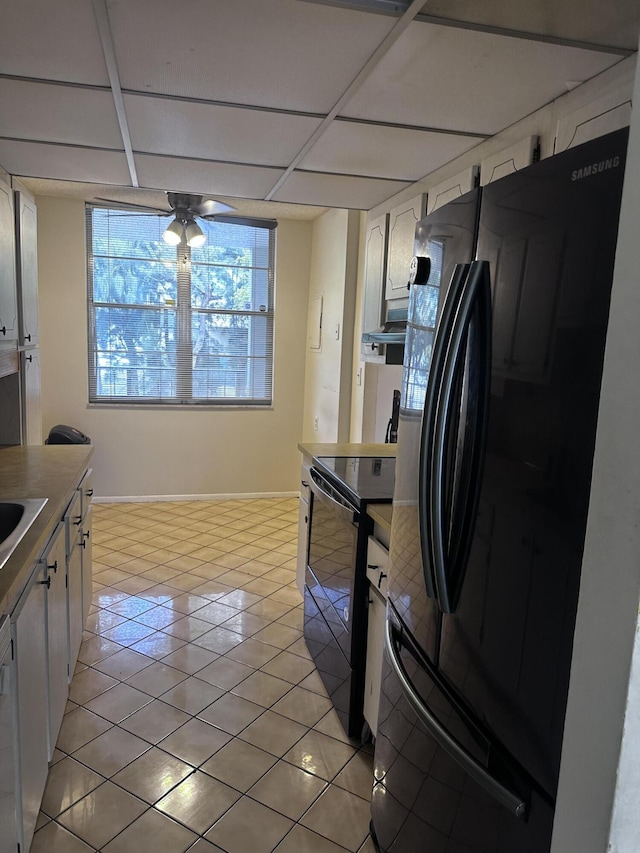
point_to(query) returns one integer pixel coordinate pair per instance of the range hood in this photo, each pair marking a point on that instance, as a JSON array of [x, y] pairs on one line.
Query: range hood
[[393, 331]]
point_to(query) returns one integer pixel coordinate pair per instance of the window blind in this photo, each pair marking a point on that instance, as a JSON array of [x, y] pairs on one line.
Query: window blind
[[179, 325]]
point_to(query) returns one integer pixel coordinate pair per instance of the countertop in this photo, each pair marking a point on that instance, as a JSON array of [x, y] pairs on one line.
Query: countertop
[[52, 472], [345, 449]]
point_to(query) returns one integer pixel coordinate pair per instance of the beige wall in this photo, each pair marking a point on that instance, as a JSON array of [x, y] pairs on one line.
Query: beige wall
[[170, 452], [334, 261]]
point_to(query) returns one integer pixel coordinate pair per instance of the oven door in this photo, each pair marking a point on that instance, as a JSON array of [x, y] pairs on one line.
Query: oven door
[[333, 538]]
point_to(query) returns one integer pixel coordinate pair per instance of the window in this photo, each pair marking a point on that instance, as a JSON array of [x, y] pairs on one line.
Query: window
[[174, 324]]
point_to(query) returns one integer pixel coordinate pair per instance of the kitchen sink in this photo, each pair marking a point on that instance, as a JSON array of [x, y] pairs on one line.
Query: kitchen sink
[[16, 517]]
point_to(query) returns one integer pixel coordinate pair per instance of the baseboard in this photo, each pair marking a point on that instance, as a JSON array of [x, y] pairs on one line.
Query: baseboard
[[235, 496]]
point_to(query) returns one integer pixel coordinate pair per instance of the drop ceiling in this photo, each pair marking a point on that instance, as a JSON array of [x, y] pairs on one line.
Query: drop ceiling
[[314, 103]]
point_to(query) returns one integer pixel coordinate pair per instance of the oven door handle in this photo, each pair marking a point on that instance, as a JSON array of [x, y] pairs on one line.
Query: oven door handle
[[341, 505]]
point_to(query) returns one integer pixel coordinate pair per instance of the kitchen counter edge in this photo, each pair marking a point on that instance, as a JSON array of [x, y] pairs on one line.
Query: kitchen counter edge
[[51, 472], [347, 449]]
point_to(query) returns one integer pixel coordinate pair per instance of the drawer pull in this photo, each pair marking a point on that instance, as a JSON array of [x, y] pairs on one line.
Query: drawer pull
[[380, 577], [46, 583], [89, 493], [53, 567]]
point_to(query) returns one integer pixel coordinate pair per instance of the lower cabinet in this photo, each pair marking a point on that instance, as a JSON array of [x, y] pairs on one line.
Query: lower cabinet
[[303, 525], [377, 569], [46, 631], [29, 621], [8, 747]]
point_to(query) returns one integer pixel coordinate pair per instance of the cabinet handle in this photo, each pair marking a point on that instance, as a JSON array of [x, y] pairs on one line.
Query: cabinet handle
[[46, 583], [380, 577], [27, 338], [305, 484], [89, 493], [3, 330], [77, 520], [28, 358], [86, 535], [53, 567], [372, 566]]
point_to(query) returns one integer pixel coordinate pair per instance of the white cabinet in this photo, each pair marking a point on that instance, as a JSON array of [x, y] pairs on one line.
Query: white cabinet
[[303, 525], [30, 390], [54, 567], [374, 278], [377, 569], [73, 539], [86, 512], [8, 295], [8, 747], [402, 226], [27, 268], [29, 635]]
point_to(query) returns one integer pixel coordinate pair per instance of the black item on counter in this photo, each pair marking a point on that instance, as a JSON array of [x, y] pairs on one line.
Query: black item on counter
[[63, 434]]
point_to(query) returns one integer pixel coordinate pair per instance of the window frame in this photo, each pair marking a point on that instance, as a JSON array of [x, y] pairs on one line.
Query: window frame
[[184, 311]]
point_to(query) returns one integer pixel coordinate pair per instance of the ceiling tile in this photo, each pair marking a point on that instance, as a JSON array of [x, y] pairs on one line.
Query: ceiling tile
[[442, 77], [66, 163], [615, 23], [200, 176], [277, 53], [384, 152], [337, 190], [53, 113], [53, 41], [188, 129]]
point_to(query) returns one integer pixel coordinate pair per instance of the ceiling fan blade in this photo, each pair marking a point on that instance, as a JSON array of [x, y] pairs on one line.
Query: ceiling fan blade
[[161, 211], [210, 207]]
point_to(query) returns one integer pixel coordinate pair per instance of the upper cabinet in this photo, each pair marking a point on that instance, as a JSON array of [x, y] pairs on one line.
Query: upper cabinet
[[402, 226], [374, 276], [8, 298], [27, 268]]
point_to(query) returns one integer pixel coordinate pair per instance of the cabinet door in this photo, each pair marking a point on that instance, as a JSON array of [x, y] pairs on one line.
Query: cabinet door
[[29, 626], [87, 569], [374, 276], [303, 528], [27, 272], [31, 406], [74, 604], [8, 752], [8, 295], [402, 226], [53, 562]]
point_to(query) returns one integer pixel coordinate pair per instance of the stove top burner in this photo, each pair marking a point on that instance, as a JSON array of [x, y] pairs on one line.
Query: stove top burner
[[367, 479]]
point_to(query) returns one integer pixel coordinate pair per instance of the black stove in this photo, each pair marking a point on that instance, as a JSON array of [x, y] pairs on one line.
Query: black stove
[[361, 479]]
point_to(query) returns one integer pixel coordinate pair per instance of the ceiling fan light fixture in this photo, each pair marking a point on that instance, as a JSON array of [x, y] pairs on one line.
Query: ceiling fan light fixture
[[173, 233], [194, 235]]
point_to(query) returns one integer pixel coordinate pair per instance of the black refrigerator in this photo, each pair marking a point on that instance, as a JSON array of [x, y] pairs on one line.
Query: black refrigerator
[[501, 384]]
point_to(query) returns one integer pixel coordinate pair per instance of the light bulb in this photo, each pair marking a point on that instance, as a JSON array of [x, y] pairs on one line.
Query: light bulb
[[194, 235], [173, 234]]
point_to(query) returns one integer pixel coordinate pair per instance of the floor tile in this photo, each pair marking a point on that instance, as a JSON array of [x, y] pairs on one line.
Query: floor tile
[[192, 695], [155, 721], [54, 837], [79, 727], [130, 606], [118, 702], [219, 640], [102, 814], [245, 623], [225, 673], [303, 706], [269, 608], [249, 826], [97, 648], [190, 658], [157, 679], [287, 790], [111, 751], [188, 627], [231, 713], [122, 664], [303, 840], [158, 617], [340, 816], [276, 634], [68, 781], [168, 836], [88, 684], [262, 688], [239, 764], [188, 603], [128, 633], [215, 613], [198, 801], [195, 742], [152, 775], [239, 599], [158, 645], [253, 653], [319, 754], [357, 775], [102, 620], [289, 667], [273, 733]]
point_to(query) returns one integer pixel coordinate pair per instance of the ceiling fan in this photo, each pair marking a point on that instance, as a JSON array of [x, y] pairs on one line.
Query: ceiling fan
[[185, 209]]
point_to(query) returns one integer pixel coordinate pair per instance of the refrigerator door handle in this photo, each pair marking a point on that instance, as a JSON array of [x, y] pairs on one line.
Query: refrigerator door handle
[[510, 800], [475, 304], [425, 508]]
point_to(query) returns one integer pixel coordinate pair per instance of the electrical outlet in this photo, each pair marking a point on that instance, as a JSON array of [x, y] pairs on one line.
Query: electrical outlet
[[315, 424]]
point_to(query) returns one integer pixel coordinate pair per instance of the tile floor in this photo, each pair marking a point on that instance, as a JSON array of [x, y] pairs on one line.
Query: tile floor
[[196, 719]]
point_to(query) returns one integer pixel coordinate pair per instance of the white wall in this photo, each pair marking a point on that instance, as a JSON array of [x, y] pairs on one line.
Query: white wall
[[334, 269], [142, 452]]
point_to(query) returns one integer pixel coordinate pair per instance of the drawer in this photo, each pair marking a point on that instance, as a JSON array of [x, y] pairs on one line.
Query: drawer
[[72, 522], [86, 492], [377, 565], [304, 483]]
